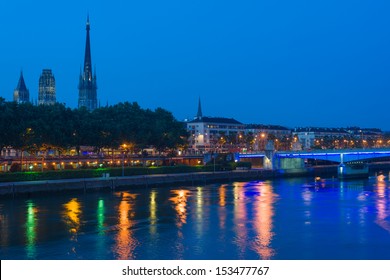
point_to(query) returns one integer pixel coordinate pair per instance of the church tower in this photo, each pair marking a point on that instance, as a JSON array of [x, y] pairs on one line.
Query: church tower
[[199, 115], [47, 88], [87, 81], [21, 93]]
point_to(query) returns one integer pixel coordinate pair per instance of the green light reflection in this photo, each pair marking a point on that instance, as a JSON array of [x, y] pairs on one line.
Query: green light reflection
[[31, 230], [101, 216]]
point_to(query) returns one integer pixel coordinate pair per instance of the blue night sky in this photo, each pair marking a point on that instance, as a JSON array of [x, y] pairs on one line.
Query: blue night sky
[[292, 63]]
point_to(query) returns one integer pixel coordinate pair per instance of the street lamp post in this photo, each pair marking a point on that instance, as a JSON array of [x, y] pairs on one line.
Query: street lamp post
[[123, 159], [123, 164]]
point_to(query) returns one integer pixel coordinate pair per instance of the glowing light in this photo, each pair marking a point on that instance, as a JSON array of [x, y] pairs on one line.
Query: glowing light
[[100, 216], [180, 203], [72, 215], [125, 241], [31, 230]]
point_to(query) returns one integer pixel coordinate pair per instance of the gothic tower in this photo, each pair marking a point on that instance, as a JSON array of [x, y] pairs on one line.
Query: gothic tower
[[21, 93], [47, 88], [87, 81]]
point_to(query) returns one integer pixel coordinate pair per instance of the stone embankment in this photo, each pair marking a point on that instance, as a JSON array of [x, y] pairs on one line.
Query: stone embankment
[[184, 179]]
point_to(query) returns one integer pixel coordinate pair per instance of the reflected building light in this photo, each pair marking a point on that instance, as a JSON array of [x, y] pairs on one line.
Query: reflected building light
[[199, 202], [240, 218], [199, 211], [31, 230], [125, 241], [180, 203], [222, 210], [72, 215], [153, 212], [264, 222], [100, 216], [307, 197], [222, 196], [381, 206]]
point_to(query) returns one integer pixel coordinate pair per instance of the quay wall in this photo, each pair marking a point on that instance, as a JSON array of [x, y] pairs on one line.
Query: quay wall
[[201, 178]]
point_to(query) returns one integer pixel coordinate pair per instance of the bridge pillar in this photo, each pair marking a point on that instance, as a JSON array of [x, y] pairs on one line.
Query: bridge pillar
[[292, 164], [269, 155]]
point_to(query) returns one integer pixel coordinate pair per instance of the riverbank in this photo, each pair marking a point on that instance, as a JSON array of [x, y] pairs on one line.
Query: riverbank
[[196, 178], [120, 183]]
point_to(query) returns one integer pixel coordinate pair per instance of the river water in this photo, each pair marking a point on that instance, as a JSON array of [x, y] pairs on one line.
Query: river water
[[283, 219]]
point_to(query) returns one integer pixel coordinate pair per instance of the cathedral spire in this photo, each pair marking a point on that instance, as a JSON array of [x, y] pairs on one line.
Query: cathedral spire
[[87, 58], [199, 114], [87, 83]]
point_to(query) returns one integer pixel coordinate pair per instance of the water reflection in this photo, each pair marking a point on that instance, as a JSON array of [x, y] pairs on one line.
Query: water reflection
[[239, 221], [222, 195], [31, 230], [71, 216], [307, 197], [3, 227], [179, 200], [199, 212], [263, 221], [100, 216], [153, 212], [381, 204], [222, 208], [125, 240], [240, 218]]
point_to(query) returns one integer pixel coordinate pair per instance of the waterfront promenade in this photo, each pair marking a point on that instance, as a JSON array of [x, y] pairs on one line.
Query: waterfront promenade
[[113, 183], [126, 182], [191, 179]]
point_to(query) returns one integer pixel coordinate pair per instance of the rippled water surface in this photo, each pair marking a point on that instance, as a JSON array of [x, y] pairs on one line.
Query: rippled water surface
[[285, 219]]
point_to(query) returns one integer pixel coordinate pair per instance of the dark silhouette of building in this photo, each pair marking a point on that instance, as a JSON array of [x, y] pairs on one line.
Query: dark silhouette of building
[[87, 81], [47, 88], [21, 93]]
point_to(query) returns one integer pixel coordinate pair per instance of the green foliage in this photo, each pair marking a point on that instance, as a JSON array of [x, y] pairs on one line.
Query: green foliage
[[41, 128]]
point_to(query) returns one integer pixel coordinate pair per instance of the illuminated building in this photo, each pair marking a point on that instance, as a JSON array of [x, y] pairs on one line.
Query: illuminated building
[[21, 93], [47, 88], [210, 134], [87, 81]]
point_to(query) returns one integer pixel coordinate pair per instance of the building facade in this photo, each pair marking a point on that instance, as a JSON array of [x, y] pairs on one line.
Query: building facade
[[338, 138], [21, 93], [47, 88], [87, 80], [261, 134], [213, 134]]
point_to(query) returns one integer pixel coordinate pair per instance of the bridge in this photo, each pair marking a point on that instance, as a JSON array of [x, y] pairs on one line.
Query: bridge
[[340, 156], [350, 161]]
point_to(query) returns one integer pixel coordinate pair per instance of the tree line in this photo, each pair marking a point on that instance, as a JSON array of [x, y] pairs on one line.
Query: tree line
[[55, 127]]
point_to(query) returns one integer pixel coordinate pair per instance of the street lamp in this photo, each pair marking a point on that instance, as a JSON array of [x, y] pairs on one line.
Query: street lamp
[[123, 159]]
